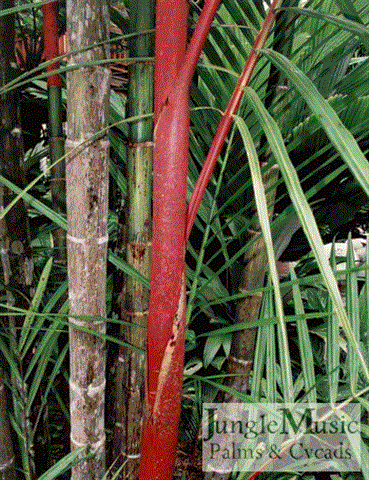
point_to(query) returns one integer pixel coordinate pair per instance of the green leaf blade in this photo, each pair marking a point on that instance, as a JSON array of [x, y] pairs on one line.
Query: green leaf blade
[[305, 215], [339, 135]]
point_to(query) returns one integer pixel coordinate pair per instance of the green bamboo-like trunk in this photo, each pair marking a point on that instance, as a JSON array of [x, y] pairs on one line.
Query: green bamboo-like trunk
[[15, 240], [56, 143], [87, 175], [135, 297], [55, 127]]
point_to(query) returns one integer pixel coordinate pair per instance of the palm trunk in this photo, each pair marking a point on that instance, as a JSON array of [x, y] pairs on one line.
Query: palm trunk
[[87, 238], [167, 309], [15, 239], [165, 339], [56, 140], [130, 385]]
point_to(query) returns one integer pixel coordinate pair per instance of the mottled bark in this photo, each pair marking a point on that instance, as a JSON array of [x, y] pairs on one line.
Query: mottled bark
[[87, 237]]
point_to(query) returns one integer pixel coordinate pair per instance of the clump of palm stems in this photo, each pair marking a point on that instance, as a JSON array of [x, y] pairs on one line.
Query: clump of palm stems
[[310, 346]]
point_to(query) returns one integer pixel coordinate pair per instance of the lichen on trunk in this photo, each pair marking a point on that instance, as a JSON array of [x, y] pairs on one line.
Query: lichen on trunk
[[87, 174]]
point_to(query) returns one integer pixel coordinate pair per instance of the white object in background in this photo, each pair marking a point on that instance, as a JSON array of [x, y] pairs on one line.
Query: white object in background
[[359, 246]]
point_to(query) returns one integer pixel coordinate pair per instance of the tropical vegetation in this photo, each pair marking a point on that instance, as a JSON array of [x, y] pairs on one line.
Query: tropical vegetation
[[250, 119]]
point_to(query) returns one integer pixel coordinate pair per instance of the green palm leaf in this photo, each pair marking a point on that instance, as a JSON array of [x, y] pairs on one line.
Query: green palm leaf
[[304, 213], [263, 214], [340, 137]]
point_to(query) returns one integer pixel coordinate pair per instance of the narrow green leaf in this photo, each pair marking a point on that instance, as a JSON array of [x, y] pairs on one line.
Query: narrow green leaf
[[262, 209], [5, 351], [259, 358], [20, 8], [271, 364], [117, 174], [124, 267], [304, 213], [355, 27], [339, 135], [22, 193], [64, 408], [212, 222], [62, 465], [271, 358], [61, 222], [35, 304], [212, 345], [305, 349], [352, 303], [36, 204], [56, 297], [347, 7], [43, 349], [117, 472], [50, 382], [43, 358], [231, 391], [104, 336], [333, 345]]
